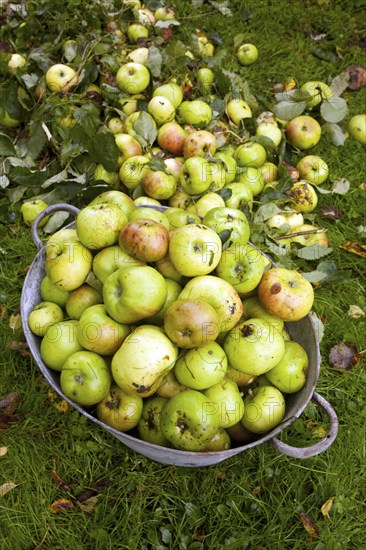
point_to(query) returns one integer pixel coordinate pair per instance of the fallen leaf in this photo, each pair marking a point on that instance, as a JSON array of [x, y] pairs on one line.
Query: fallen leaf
[[20, 347], [357, 77], [9, 404], [355, 312], [327, 506], [3, 311], [344, 357], [320, 432], [309, 524], [88, 505], [58, 480], [61, 505], [6, 487], [354, 248], [3, 451], [94, 489], [15, 321], [330, 213], [291, 170], [199, 534]]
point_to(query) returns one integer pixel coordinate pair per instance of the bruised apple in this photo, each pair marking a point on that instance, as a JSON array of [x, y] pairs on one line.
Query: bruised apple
[[191, 323], [143, 239], [119, 409], [149, 423], [286, 294]]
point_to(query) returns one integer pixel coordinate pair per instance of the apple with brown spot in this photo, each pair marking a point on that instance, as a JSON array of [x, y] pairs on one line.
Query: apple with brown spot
[[146, 240]]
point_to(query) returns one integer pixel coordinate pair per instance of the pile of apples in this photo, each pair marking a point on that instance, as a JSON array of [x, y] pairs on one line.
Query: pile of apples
[[162, 329]]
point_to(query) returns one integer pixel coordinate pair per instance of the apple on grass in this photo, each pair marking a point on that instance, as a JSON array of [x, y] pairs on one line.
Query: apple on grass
[[251, 154], [143, 239], [80, 299], [264, 408], [303, 196], [226, 395], [219, 294], [143, 361], [194, 250], [254, 346], [191, 323], [133, 78], [44, 315], [357, 127], [197, 113], [318, 91], [201, 367], [59, 342], [61, 78], [30, 210], [99, 225], [172, 91], [247, 54], [303, 132], [189, 420], [161, 109], [134, 293], [286, 294], [85, 378], [290, 373], [98, 332], [149, 423], [313, 169], [120, 410], [238, 110]]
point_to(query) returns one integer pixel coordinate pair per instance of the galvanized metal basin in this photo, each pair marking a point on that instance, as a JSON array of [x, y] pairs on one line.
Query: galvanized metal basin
[[302, 332]]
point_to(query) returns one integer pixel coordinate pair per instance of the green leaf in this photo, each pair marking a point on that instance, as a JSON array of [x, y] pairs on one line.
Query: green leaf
[[6, 146], [70, 50], [166, 24], [225, 194], [37, 139], [334, 133], [4, 182], [77, 142], [313, 252], [145, 128], [30, 80], [157, 164], [88, 117], [341, 186], [103, 150], [265, 212], [225, 235], [334, 109], [288, 109], [222, 7], [267, 143], [326, 54], [340, 83], [238, 40], [154, 61]]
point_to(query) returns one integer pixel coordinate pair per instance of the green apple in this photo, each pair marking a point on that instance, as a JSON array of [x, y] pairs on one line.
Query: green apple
[[205, 204], [135, 31], [98, 332], [67, 234], [44, 315], [318, 91], [173, 291], [237, 194], [120, 410], [198, 113], [247, 54], [250, 153], [143, 239], [271, 131], [357, 127], [165, 13], [133, 170], [139, 55], [308, 239], [229, 223], [61, 78], [242, 266], [80, 299], [134, 293], [161, 109], [149, 423], [85, 378], [99, 225], [116, 125], [194, 249], [286, 294], [7, 120], [313, 169], [191, 323], [303, 196], [101, 174], [171, 137], [59, 342], [150, 214], [229, 402], [303, 132], [269, 172], [201, 367], [189, 420], [68, 263], [171, 91], [180, 199], [220, 442], [109, 259], [133, 78], [128, 145], [229, 164], [195, 177], [219, 294], [199, 144], [178, 217], [143, 360], [290, 373], [237, 110], [30, 210], [240, 378], [118, 198], [168, 271], [254, 346], [170, 386], [144, 200], [264, 408], [289, 218], [253, 308], [51, 293], [253, 178], [205, 78], [159, 185]]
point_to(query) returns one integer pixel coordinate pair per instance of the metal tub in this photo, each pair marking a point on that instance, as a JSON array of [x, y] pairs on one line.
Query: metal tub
[[302, 332]]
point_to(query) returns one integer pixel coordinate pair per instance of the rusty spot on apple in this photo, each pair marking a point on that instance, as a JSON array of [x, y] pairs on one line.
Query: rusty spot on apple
[[275, 288]]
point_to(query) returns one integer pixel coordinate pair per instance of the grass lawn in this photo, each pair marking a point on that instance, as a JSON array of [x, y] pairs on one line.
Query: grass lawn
[[259, 499]]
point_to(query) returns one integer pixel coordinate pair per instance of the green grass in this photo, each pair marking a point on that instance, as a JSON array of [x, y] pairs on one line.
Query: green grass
[[254, 499]]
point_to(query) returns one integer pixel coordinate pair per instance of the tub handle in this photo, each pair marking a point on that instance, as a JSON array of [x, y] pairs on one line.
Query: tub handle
[[46, 212], [321, 446]]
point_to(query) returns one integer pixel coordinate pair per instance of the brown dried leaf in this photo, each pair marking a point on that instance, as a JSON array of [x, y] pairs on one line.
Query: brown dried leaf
[[5, 421], [291, 170], [94, 489], [357, 77], [20, 347], [9, 404], [61, 505], [344, 357], [309, 524], [15, 321], [3, 311], [6, 487], [199, 534], [88, 505], [3, 451], [330, 213], [354, 248], [327, 506], [58, 480]]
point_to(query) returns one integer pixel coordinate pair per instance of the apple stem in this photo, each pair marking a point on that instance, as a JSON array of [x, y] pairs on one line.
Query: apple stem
[[299, 233]]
